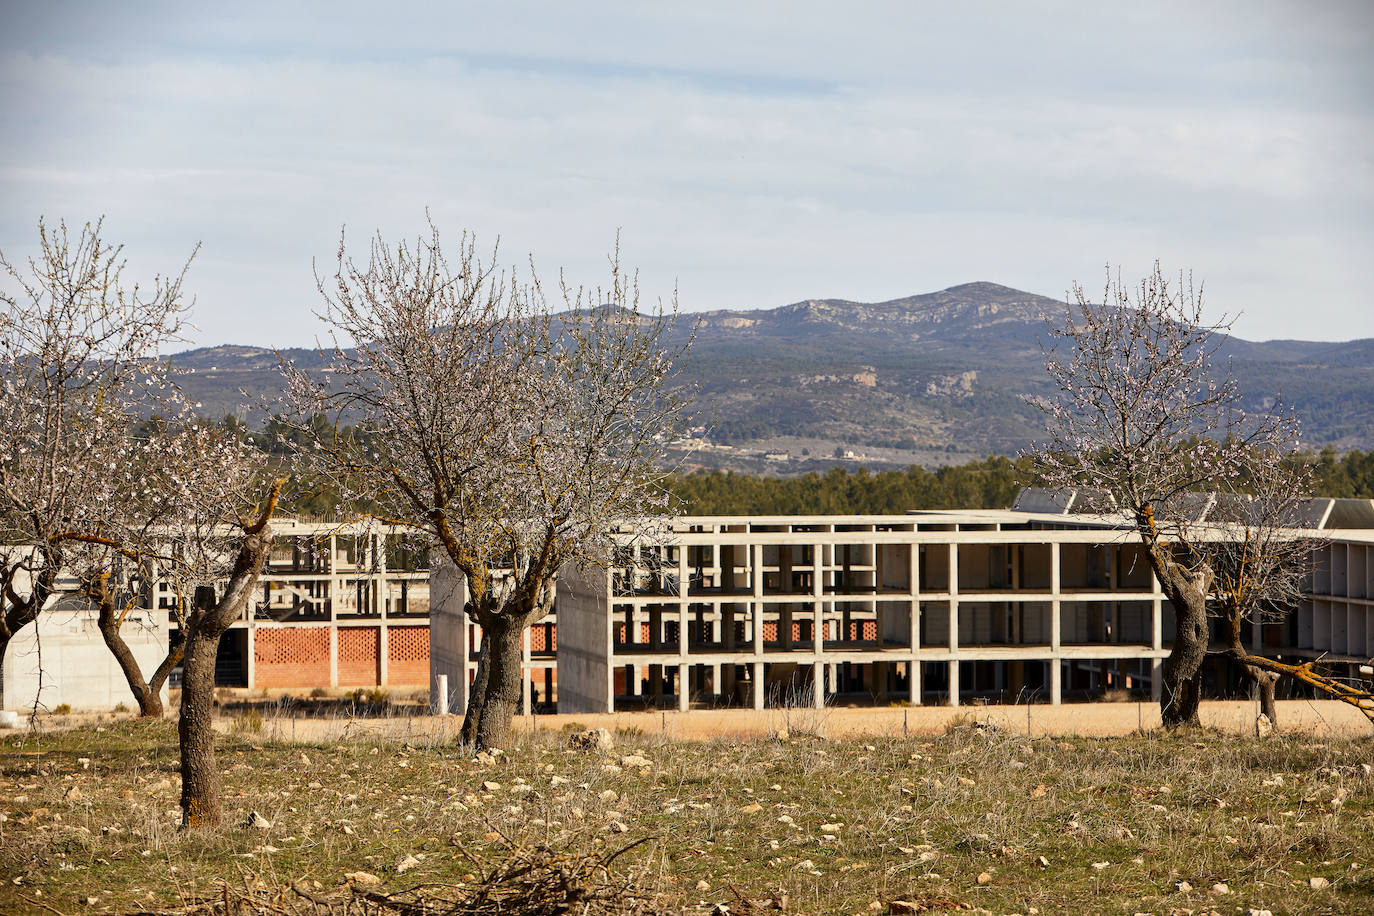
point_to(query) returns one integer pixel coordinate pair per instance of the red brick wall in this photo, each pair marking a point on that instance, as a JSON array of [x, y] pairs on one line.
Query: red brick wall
[[407, 656], [358, 656], [291, 657]]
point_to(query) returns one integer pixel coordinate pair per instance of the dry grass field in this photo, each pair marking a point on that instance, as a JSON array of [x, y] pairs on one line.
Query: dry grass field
[[973, 819]]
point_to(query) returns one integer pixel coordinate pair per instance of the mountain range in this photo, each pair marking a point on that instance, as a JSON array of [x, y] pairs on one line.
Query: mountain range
[[929, 379]]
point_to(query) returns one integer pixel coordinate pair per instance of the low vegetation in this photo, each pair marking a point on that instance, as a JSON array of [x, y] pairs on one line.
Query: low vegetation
[[991, 483], [973, 819]]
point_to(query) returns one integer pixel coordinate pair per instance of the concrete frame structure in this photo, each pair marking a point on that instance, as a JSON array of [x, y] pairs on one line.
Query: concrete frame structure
[[336, 606], [929, 606]]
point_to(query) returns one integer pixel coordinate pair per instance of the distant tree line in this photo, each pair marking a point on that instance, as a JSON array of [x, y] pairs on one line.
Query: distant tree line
[[991, 483]]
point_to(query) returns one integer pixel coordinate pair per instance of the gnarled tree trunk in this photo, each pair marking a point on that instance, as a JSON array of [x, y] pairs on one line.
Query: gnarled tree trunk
[[1187, 590], [505, 672], [200, 782], [477, 693], [1181, 692], [147, 693]]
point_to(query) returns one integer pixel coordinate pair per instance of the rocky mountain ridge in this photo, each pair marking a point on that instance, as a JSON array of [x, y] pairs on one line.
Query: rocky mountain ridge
[[920, 379]]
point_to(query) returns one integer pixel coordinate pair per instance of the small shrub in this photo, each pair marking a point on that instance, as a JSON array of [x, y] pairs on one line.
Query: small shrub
[[629, 731], [963, 720], [319, 693], [121, 707], [375, 697], [248, 722], [63, 709]]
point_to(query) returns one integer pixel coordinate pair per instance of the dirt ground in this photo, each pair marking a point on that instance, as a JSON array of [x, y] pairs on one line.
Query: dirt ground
[[1318, 718]]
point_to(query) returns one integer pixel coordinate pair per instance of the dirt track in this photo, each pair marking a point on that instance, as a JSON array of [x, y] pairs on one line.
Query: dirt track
[[1085, 719]]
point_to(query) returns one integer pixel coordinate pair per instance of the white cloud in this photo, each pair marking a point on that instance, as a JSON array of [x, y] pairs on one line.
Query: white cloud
[[758, 156]]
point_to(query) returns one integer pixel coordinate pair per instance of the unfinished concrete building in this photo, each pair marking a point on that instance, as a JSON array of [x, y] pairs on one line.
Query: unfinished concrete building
[[337, 606], [927, 607]]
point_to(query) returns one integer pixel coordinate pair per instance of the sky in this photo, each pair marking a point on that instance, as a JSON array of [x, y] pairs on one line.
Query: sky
[[749, 154]]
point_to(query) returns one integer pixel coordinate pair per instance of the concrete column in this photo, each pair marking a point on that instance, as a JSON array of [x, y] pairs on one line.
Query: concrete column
[[684, 591], [914, 666], [1056, 677], [818, 685], [684, 686], [757, 678], [953, 682], [1156, 678], [249, 662], [382, 651], [1055, 619], [334, 655], [756, 610], [1156, 613], [953, 601]]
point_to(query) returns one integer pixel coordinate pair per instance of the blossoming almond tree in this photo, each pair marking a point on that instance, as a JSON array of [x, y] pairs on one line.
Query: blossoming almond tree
[[511, 436], [1142, 414], [77, 348], [78, 492]]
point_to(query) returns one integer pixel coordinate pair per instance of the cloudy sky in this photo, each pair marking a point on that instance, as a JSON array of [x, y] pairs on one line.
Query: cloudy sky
[[753, 154]]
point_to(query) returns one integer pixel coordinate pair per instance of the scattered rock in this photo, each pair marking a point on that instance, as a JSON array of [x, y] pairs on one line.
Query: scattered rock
[[1098, 866], [831, 828], [703, 885], [1264, 727], [1183, 887], [984, 878], [635, 760], [257, 822], [361, 877], [593, 739], [406, 864], [618, 827], [1318, 884], [489, 786], [1042, 862], [783, 734], [1221, 888], [751, 808]]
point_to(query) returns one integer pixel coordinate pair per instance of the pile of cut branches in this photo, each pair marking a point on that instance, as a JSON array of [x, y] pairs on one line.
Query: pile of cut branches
[[536, 880]]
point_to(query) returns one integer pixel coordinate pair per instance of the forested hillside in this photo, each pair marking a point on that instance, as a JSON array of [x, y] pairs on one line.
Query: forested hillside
[[988, 484]]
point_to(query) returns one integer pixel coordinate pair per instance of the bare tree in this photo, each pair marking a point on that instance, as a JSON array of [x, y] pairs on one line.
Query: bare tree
[[1141, 414], [512, 436], [77, 348], [1262, 555]]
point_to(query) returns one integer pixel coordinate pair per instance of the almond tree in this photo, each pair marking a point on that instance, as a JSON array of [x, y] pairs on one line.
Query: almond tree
[[512, 437], [77, 349], [80, 493], [1263, 557], [1142, 415]]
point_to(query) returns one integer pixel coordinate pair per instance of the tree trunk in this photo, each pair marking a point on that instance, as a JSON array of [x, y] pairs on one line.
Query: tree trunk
[[200, 783], [148, 697], [477, 693], [506, 669], [1267, 682], [1182, 686], [1264, 681]]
